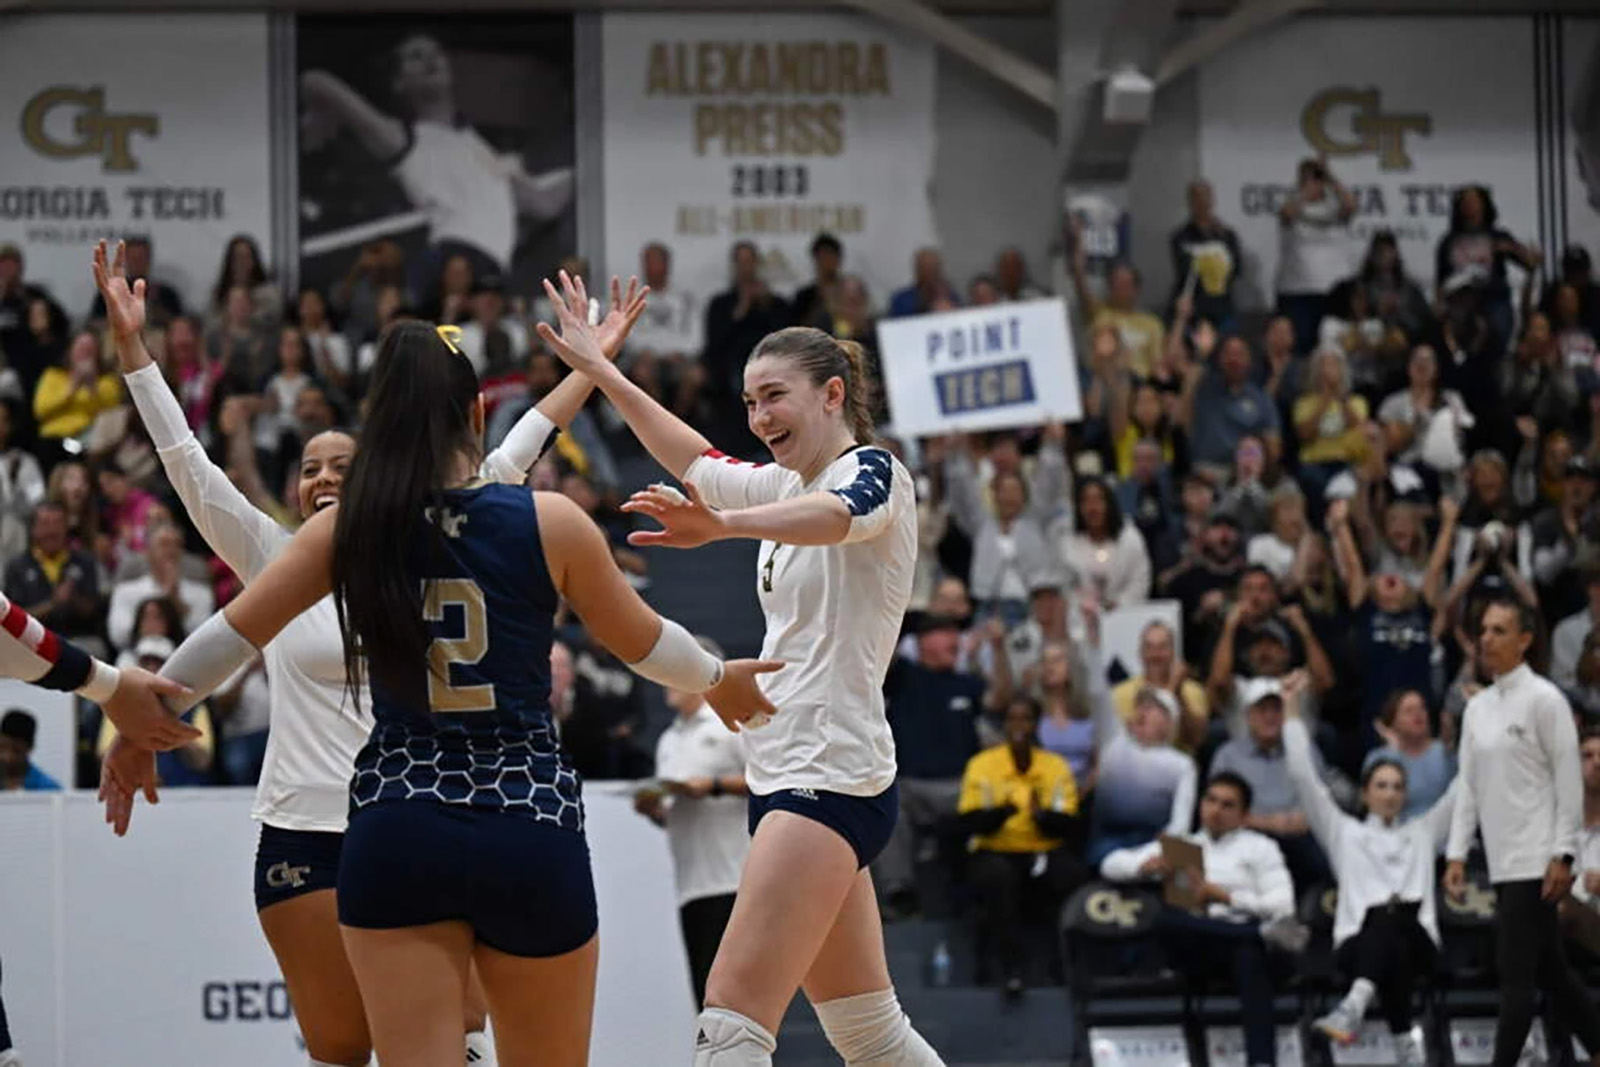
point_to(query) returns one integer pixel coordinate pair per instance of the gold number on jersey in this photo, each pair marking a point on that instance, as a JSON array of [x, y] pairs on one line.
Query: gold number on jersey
[[468, 649]]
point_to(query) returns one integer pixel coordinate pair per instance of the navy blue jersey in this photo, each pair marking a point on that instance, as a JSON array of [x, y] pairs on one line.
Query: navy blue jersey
[[486, 739]]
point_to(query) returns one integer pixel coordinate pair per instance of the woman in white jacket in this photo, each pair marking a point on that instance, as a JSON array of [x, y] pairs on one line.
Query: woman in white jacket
[[1105, 552], [1385, 930]]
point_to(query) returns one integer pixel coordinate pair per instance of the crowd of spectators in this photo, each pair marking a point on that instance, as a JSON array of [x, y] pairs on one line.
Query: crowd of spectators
[[1333, 486]]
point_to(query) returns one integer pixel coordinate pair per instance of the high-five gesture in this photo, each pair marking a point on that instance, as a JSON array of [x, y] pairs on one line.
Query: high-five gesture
[[124, 303], [578, 344], [620, 318]]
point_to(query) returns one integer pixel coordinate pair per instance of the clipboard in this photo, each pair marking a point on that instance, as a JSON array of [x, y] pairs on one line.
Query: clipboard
[[1179, 890]]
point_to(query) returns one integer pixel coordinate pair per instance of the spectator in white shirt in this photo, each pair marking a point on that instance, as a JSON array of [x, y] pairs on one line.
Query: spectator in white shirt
[[1580, 915], [164, 553], [1249, 902], [1385, 931], [1314, 247], [700, 766], [1104, 552], [662, 353], [1520, 783], [1566, 643]]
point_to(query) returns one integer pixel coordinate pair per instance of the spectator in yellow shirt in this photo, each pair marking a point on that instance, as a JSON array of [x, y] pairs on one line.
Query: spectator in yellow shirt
[[1161, 669], [71, 396], [1143, 335], [1020, 804], [1328, 422]]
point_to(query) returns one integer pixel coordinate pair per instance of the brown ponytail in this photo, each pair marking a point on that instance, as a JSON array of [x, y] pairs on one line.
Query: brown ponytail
[[821, 357]]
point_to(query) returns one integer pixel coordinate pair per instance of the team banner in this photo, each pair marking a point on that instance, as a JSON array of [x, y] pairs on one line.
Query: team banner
[[118, 125], [990, 368], [772, 129], [1383, 100], [422, 140]]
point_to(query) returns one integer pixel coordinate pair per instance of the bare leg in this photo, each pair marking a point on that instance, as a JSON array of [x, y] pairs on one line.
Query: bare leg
[[413, 981], [304, 935], [543, 1008]]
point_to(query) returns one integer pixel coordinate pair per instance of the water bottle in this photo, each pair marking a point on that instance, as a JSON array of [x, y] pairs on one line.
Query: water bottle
[[940, 967]]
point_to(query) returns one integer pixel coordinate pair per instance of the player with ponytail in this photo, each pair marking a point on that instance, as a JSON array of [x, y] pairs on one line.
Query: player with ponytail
[[836, 516]]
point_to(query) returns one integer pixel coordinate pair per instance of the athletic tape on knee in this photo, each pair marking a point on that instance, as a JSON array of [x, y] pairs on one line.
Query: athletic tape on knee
[[870, 1030], [725, 1038], [679, 662]]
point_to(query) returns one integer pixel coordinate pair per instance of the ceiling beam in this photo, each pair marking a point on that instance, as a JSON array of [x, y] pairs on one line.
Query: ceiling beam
[[1218, 37], [1032, 81]]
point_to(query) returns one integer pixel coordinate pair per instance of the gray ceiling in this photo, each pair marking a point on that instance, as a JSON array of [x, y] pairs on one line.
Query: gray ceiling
[[964, 7]]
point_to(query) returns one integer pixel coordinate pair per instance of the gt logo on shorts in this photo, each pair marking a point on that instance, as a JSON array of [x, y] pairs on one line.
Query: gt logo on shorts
[[283, 876]]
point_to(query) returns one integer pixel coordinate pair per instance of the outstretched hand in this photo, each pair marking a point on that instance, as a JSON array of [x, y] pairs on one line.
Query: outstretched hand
[[124, 303], [686, 521], [126, 770], [139, 714], [577, 344], [737, 699], [620, 318]]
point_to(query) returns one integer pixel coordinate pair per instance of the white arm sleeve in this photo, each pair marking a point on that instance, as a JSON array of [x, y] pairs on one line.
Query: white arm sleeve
[[678, 662], [206, 659], [725, 482], [520, 450], [245, 538]]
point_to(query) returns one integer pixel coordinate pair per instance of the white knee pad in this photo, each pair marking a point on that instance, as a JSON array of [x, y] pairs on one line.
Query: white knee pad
[[870, 1030], [319, 1063], [727, 1039], [480, 1050]]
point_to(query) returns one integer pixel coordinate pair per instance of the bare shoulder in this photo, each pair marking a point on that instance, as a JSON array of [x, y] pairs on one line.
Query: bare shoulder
[[317, 531], [557, 512]]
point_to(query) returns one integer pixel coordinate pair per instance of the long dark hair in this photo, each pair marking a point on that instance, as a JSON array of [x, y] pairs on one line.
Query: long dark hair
[[225, 279], [423, 395]]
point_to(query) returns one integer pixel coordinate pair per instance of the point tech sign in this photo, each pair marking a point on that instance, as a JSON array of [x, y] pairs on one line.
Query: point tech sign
[[128, 124]]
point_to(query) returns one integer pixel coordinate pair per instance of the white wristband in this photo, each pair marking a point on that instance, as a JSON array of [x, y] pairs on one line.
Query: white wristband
[[102, 683], [678, 662]]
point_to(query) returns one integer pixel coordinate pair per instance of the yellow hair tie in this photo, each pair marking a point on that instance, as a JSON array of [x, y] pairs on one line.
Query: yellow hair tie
[[451, 336]]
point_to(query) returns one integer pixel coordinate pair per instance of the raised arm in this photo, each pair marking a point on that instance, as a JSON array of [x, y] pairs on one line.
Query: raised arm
[[1433, 578], [674, 443], [329, 99], [1322, 811], [245, 537], [531, 434]]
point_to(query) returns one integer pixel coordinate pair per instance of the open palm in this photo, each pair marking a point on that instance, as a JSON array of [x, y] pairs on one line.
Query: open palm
[[686, 521], [577, 343], [124, 303], [624, 312]]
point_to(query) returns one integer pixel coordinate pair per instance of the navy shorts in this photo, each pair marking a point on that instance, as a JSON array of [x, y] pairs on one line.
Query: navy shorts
[[292, 863], [864, 822], [524, 886]]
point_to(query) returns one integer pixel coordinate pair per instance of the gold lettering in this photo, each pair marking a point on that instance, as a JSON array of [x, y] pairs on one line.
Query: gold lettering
[[1369, 130], [760, 68], [99, 134], [658, 80]]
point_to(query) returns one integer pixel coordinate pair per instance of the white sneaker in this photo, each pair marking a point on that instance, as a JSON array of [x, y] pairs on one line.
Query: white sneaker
[[1408, 1050], [1342, 1025], [1287, 934]]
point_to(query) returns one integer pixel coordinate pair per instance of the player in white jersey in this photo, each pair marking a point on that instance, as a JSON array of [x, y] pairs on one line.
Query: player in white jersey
[[837, 520], [302, 799], [473, 195]]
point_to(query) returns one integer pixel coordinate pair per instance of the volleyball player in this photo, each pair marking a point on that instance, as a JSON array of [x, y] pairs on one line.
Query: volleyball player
[[473, 194], [465, 844], [837, 519], [302, 799]]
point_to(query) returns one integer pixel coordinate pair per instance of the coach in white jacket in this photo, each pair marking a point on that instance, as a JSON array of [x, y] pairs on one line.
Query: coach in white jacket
[[1521, 785]]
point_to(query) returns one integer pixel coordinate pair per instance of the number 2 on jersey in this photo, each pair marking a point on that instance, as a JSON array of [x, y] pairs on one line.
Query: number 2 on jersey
[[466, 650]]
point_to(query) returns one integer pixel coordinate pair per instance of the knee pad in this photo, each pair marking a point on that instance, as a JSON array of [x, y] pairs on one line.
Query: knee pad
[[725, 1038], [870, 1030], [480, 1050], [320, 1063]]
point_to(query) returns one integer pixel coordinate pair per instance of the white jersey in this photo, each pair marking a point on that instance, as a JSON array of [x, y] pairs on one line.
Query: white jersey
[[833, 615], [455, 176], [316, 729]]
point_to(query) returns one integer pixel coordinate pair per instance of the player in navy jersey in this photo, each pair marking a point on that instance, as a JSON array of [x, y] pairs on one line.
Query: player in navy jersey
[[303, 797], [465, 844], [837, 519]]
